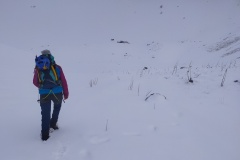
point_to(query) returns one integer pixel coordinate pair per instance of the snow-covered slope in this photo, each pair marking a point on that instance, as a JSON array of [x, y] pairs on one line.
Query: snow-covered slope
[[130, 101]]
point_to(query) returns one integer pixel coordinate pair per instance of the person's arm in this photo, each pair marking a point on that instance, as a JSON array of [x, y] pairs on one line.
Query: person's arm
[[35, 79], [64, 84]]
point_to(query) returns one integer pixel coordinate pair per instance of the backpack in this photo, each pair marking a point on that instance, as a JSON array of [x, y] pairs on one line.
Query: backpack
[[48, 72]]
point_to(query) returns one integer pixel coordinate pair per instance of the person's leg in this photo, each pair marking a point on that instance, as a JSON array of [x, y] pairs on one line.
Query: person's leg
[[57, 100], [46, 112]]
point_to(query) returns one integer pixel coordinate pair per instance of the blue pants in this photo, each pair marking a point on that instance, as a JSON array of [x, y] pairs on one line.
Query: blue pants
[[45, 103]]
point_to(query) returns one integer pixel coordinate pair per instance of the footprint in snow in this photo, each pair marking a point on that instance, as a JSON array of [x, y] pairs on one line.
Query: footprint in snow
[[85, 154], [99, 140], [60, 152]]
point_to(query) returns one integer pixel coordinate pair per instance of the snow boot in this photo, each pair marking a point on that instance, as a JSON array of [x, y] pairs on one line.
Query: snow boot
[[45, 136], [55, 127]]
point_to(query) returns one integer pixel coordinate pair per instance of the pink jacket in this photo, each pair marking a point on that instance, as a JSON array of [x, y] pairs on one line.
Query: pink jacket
[[62, 77]]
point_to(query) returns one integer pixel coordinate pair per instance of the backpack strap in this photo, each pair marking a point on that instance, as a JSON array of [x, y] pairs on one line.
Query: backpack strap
[[39, 76], [54, 72]]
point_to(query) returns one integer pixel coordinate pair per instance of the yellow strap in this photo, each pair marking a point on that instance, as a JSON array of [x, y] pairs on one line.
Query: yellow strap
[[55, 96], [54, 72], [49, 94]]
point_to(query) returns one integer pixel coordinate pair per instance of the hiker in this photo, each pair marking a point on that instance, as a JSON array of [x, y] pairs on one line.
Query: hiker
[[50, 80]]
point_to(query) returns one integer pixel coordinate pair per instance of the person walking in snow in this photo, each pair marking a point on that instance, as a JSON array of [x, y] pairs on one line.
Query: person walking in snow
[[52, 85]]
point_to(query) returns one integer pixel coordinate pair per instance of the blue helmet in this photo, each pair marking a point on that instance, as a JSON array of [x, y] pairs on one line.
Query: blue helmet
[[42, 62]]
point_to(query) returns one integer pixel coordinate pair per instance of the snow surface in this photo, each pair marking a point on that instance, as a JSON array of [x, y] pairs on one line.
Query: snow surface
[[128, 101]]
